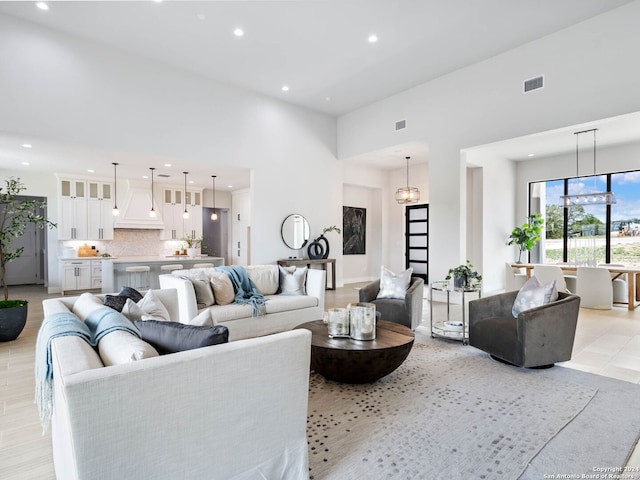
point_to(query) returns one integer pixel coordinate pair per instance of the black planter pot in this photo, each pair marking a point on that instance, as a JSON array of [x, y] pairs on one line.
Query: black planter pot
[[12, 322]]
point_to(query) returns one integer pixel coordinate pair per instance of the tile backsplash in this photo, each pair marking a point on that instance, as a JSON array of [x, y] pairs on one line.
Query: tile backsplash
[[128, 242]]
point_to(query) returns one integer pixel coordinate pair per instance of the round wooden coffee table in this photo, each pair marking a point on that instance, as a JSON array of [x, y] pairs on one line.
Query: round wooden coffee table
[[359, 361]]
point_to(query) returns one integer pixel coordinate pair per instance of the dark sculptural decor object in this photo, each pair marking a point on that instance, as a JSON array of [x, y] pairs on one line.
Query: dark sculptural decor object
[[315, 250], [322, 238]]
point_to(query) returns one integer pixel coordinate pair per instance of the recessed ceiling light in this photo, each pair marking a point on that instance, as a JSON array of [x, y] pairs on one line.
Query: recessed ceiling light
[[328, 99], [190, 181], [157, 1], [201, 16], [229, 186], [27, 145], [167, 164], [531, 155], [373, 38], [145, 176], [91, 170], [238, 32], [285, 88], [25, 163], [42, 6]]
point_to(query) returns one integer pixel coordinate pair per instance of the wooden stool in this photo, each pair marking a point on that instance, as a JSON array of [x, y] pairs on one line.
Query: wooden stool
[[139, 277]]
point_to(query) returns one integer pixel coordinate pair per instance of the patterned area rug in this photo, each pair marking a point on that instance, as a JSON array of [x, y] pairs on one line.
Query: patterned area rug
[[448, 412]]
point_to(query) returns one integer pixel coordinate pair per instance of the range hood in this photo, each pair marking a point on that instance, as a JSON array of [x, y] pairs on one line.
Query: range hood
[[135, 213]]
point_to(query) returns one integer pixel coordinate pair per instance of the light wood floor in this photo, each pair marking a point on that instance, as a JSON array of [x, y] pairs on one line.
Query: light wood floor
[[607, 343]]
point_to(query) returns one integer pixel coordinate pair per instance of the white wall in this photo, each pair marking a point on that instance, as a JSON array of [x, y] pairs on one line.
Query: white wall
[[589, 74], [75, 91]]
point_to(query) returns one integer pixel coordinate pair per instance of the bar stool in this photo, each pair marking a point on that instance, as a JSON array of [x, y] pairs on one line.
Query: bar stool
[[171, 268], [203, 265], [138, 276]]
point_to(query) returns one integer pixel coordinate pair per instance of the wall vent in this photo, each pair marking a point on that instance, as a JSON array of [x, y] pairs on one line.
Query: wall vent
[[533, 84], [163, 175], [401, 125]]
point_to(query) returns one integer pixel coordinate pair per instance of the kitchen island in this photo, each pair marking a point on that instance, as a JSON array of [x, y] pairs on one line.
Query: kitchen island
[[114, 276]]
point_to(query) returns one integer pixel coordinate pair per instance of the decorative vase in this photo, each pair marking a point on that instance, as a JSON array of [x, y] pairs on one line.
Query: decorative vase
[[322, 238], [12, 322], [338, 322], [362, 321], [315, 250], [193, 252]]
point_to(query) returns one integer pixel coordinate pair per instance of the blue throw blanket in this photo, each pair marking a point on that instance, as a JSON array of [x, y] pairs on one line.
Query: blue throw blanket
[[98, 324], [246, 291]]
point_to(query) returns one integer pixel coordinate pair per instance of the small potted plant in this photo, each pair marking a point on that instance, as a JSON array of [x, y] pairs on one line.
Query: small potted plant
[[193, 245], [464, 276], [15, 214], [527, 235]]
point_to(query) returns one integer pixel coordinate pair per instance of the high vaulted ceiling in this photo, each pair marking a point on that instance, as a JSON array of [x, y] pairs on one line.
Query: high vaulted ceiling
[[319, 49]]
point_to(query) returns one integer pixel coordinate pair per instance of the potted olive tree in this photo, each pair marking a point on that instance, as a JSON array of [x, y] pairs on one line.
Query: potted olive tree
[[527, 235], [15, 214]]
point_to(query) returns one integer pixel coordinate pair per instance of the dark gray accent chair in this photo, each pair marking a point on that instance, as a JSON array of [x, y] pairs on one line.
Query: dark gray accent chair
[[539, 337], [407, 312]]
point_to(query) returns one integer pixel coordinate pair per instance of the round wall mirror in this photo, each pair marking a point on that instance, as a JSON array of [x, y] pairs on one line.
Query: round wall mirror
[[295, 231]]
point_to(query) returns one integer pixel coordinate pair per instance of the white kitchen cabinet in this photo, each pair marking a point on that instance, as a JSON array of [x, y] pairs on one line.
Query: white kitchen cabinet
[[174, 203], [96, 274], [241, 228], [99, 206], [172, 209], [72, 221], [193, 225], [75, 275]]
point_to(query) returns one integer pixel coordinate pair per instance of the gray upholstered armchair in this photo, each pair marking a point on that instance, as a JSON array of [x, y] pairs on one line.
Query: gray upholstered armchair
[[407, 312], [539, 337]]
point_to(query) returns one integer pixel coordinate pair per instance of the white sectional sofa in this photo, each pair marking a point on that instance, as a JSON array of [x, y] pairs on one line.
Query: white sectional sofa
[[283, 312], [235, 411]]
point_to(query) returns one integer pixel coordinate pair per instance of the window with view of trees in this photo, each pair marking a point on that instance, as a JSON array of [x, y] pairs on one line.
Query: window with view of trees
[[589, 234]]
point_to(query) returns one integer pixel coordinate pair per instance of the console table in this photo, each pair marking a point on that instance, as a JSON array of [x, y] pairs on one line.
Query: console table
[[323, 262]]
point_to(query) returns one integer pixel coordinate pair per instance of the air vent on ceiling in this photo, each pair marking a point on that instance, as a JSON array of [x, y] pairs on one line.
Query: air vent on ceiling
[[163, 175], [401, 125], [533, 84]]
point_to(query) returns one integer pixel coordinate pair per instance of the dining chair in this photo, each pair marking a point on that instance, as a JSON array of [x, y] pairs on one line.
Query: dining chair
[[594, 288], [514, 278], [547, 273], [620, 291]]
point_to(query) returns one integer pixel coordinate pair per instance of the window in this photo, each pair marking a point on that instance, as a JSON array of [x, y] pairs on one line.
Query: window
[[589, 234]]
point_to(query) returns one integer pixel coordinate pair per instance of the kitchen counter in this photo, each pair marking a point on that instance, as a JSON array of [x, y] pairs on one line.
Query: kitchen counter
[[114, 276], [161, 259]]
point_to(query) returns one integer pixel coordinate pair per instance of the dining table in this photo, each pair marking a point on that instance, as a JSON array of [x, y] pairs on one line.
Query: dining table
[[632, 273]]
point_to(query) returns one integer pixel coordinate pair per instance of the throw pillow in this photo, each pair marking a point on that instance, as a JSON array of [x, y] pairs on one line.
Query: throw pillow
[[264, 277], [85, 304], [203, 319], [115, 301], [132, 311], [292, 280], [533, 294], [171, 337], [392, 285], [153, 308], [222, 288], [131, 293], [120, 347], [202, 288]]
